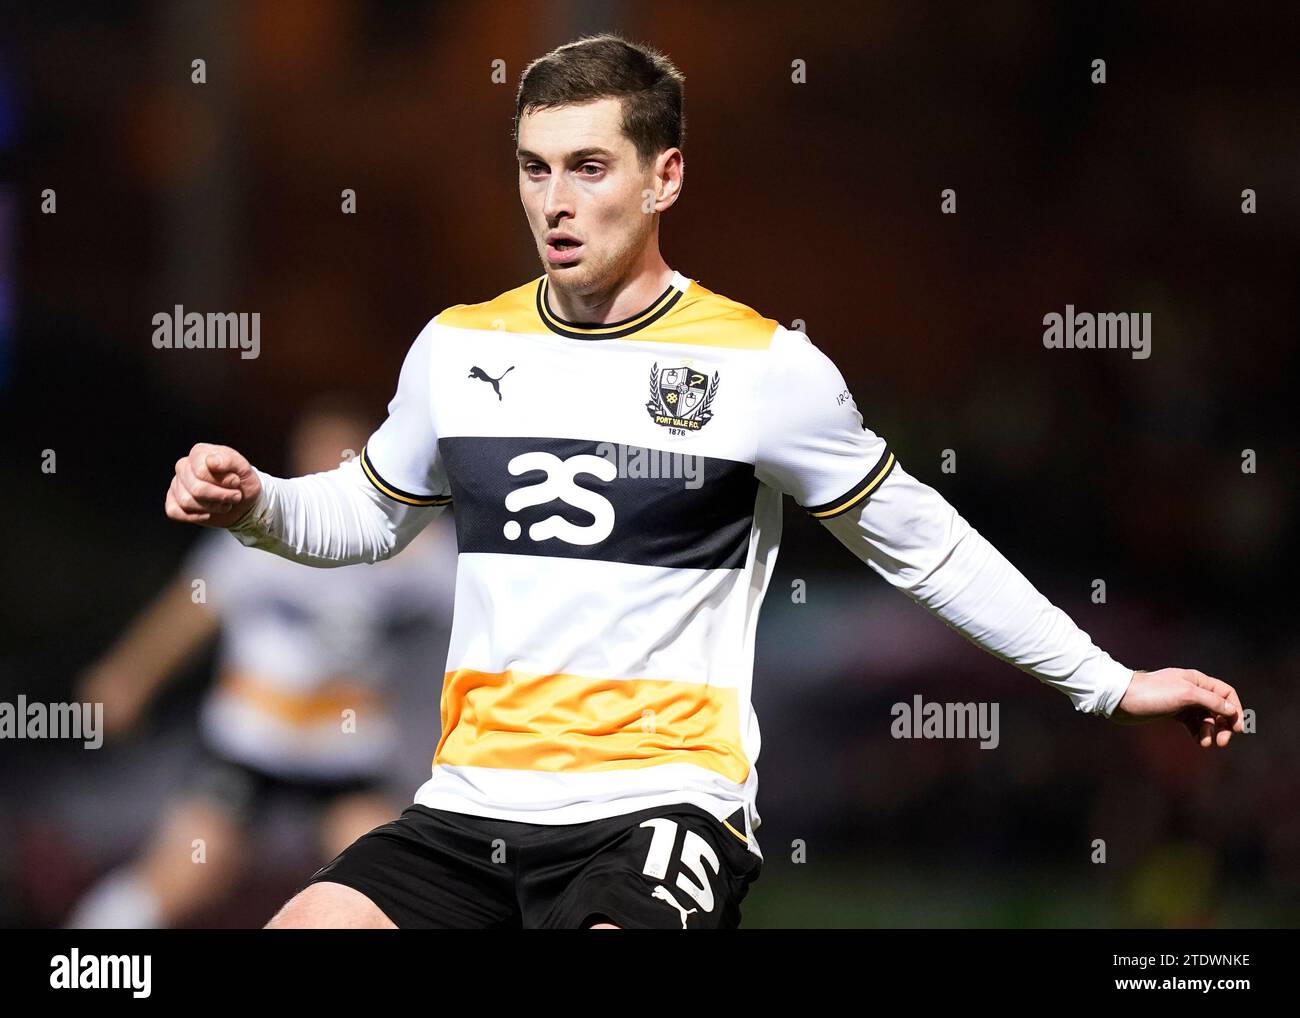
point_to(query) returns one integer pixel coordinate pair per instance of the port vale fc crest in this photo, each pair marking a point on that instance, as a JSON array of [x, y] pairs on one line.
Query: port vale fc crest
[[681, 397]]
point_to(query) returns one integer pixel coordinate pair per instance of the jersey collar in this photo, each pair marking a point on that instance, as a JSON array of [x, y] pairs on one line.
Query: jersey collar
[[659, 307]]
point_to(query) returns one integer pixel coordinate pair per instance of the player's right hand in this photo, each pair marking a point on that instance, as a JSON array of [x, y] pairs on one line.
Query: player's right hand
[[214, 486]]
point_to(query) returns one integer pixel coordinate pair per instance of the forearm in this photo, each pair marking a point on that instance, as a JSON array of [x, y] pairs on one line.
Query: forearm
[[917, 541], [334, 518]]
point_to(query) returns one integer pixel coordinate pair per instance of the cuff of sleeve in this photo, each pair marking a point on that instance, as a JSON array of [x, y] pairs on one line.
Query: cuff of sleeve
[[1113, 680], [256, 522]]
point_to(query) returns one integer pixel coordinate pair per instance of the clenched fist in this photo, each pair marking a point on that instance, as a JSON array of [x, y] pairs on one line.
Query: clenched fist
[[214, 486]]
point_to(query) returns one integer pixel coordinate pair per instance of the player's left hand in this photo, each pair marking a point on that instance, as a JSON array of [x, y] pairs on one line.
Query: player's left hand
[[1207, 707]]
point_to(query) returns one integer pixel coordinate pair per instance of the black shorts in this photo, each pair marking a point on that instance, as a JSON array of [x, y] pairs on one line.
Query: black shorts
[[670, 867]]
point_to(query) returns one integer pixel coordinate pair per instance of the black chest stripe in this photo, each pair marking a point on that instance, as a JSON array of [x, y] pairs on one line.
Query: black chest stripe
[[577, 498]]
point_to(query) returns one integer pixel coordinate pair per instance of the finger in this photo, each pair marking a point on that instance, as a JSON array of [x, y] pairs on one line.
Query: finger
[[1239, 724], [208, 495], [184, 499], [212, 497], [1238, 712], [170, 506], [1217, 686], [198, 460], [176, 508], [1223, 736], [1207, 733], [221, 467], [1212, 702]]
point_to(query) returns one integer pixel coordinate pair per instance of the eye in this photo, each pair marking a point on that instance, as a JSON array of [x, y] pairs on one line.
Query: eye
[[534, 168], [594, 167]]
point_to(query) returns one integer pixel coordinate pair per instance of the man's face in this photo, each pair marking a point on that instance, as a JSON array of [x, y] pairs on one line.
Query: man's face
[[583, 192]]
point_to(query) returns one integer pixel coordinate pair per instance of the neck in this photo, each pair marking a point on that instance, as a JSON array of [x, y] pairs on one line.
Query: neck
[[630, 293]]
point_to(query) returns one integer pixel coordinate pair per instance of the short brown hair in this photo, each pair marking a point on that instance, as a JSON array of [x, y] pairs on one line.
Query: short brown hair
[[608, 66]]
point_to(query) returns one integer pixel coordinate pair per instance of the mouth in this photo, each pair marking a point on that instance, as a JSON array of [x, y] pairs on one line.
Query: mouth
[[561, 249]]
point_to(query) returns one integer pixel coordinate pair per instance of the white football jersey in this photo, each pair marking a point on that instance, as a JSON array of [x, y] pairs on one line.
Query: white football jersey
[[617, 496]]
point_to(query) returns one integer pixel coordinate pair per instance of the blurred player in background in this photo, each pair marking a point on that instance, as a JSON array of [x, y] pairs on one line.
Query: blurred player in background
[[299, 704]]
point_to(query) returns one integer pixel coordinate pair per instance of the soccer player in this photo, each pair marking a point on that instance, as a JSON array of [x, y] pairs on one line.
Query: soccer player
[[301, 708], [615, 441]]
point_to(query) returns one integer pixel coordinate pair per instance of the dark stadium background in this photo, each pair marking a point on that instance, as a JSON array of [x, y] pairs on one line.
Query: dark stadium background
[[817, 202]]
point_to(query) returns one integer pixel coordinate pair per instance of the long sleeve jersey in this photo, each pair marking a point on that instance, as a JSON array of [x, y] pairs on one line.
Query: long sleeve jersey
[[617, 491]]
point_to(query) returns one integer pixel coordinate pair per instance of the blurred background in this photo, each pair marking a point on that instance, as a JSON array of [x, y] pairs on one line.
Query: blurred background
[[816, 201]]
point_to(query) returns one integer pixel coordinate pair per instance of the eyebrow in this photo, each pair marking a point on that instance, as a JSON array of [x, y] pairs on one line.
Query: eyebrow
[[578, 156]]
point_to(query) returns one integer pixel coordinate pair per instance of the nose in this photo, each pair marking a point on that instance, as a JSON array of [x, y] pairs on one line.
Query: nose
[[559, 198]]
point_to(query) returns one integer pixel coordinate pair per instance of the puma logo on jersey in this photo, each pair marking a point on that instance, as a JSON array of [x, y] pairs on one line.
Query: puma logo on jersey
[[483, 376], [663, 894], [560, 484]]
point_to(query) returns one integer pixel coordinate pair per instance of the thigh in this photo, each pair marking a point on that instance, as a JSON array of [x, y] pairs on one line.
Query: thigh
[[430, 869], [328, 906], [673, 868]]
